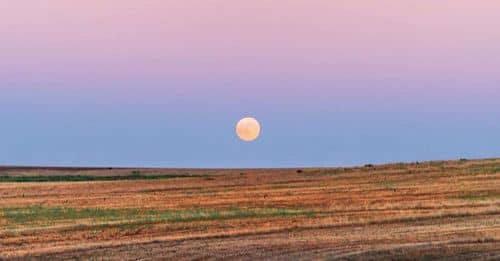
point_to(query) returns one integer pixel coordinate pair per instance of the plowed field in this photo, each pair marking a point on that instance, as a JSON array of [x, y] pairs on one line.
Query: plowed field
[[442, 209]]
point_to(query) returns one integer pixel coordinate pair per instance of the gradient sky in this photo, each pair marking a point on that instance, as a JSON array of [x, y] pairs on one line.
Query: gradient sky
[[163, 83]]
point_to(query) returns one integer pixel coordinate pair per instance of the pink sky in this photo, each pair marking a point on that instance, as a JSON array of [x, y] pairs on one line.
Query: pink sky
[[210, 40]]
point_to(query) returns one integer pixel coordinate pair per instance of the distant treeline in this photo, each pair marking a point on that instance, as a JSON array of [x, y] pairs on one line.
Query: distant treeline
[[73, 178]]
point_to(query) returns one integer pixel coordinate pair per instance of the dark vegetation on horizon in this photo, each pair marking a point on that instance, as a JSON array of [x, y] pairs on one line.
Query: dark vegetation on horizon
[[136, 175]]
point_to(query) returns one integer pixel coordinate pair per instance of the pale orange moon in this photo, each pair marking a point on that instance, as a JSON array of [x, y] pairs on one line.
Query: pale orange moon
[[248, 129]]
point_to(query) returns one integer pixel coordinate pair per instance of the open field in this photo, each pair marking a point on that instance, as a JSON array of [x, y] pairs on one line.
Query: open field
[[442, 209]]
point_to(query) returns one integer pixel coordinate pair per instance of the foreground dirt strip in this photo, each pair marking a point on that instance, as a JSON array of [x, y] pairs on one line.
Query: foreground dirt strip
[[325, 242], [434, 209]]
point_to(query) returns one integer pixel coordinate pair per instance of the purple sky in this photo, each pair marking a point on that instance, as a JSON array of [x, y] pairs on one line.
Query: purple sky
[[162, 83]]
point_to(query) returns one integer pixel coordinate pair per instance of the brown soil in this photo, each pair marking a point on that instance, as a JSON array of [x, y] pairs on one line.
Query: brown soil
[[434, 210]]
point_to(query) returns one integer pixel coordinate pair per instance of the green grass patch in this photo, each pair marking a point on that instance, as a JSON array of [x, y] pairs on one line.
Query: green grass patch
[[484, 170], [44, 216], [388, 184], [76, 178], [479, 196], [40, 214]]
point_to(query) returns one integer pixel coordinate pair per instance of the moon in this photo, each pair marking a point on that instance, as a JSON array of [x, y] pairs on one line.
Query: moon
[[248, 129]]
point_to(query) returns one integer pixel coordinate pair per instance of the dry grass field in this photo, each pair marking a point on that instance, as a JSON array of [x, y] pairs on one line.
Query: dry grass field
[[447, 210]]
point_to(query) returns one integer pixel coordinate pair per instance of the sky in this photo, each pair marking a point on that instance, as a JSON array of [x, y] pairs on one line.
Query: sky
[[163, 83]]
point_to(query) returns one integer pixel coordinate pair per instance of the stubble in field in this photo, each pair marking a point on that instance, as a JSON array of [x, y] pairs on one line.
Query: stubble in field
[[433, 209]]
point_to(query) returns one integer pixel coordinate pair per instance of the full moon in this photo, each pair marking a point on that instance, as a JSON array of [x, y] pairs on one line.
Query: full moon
[[248, 129]]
